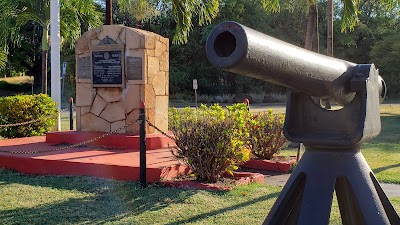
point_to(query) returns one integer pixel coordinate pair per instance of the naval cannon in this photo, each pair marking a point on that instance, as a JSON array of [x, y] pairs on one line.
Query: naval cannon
[[332, 138]]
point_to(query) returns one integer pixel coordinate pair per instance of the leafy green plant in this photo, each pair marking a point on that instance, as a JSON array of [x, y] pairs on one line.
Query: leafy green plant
[[266, 134], [209, 140], [23, 108]]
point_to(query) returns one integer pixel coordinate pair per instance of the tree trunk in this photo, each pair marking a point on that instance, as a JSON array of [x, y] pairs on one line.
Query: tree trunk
[[329, 38], [44, 71], [310, 29], [312, 34], [108, 12], [315, 35]]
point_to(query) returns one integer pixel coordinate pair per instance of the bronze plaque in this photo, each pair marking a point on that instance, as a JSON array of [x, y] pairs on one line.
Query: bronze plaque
[[83, 67], [107, 67], [134, 68]]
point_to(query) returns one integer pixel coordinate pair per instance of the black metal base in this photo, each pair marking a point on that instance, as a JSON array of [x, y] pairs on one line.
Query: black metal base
[[307, 197]]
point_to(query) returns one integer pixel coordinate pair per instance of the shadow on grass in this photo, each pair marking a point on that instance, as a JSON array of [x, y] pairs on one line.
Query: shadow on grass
[[383, 168], [91, 210], [108, 200], [220, 211], [100, 201]]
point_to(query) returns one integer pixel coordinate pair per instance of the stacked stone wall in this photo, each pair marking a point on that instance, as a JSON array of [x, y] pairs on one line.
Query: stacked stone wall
[[108, 108]]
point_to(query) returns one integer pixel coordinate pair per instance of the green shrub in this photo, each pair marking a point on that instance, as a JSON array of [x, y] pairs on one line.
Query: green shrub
[[266, 134], [209, 140], [19, 87], [22, 108]]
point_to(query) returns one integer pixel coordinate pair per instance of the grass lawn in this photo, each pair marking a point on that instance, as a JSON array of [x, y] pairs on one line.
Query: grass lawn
[[65, 121], [18, 80], [83, 200], [29, 199], [383, 152]]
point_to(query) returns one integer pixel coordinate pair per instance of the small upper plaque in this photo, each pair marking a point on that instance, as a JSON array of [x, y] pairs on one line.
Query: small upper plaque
[[83, 67], [134, 68], [107, 67]]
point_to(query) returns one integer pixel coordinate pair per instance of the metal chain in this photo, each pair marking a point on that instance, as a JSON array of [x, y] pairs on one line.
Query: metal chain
[[29, 122], [87, 141], [72, 146], [158, 129]]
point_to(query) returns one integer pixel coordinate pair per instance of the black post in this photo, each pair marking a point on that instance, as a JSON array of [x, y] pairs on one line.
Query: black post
[[142, 132], [71, 115]]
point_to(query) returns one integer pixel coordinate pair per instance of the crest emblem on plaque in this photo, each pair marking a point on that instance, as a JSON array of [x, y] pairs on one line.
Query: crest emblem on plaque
[[106, 55], [107, 41]]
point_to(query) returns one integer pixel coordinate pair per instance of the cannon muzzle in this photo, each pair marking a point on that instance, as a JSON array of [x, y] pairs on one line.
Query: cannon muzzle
[[239, 49]]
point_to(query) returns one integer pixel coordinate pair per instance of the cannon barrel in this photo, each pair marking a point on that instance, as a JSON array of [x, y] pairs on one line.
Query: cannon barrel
[[239, 49]]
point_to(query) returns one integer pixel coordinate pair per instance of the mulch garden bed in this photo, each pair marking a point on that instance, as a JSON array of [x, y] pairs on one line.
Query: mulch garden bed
[[227, 183]]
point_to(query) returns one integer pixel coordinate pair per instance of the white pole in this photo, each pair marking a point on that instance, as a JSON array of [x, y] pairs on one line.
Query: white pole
[[55, 56]]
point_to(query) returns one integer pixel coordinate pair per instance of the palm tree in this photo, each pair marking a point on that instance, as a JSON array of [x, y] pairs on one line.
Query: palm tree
[[7, 31], [36, 11], [25, 12]]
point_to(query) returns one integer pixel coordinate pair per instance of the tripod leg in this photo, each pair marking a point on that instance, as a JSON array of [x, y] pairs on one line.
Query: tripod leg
[[287, 207], [390, 211], [317, 199], [349, 208]]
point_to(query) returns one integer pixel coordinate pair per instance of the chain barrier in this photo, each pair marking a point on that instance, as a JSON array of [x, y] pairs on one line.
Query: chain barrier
[[84, 142], [74, 145], [159, 130], [31, 121]]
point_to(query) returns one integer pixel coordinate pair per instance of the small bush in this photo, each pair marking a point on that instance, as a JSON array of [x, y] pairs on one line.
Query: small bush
[[22, 108], [209, 140], [266, 134]]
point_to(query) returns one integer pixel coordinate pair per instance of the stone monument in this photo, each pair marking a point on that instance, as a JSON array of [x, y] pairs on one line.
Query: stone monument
[[117, 67]]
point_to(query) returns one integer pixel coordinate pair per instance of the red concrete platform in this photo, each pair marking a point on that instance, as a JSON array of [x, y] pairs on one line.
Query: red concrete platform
[[153, 141], [120, 164]]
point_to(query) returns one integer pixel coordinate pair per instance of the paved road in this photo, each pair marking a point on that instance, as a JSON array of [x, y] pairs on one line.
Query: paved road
[[279, 179], [276, 107]]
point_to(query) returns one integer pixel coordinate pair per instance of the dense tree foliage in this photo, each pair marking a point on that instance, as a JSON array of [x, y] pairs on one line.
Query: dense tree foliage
[[373, 38], [26, 23], [189, 62]]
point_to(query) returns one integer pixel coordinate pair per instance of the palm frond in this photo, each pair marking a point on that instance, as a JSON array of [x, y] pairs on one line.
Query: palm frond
[[140, 9], [185, 10], [390, 4], [26, 17], [3, 59], [349, 14], [9, 31], [271, 5], [73, 13]]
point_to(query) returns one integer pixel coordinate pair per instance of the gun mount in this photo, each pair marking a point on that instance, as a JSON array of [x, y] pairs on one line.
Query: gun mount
[[332, 138]]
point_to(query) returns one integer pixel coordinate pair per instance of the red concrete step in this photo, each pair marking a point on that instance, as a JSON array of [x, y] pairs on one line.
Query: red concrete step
[[153, 141], [88, 161]]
